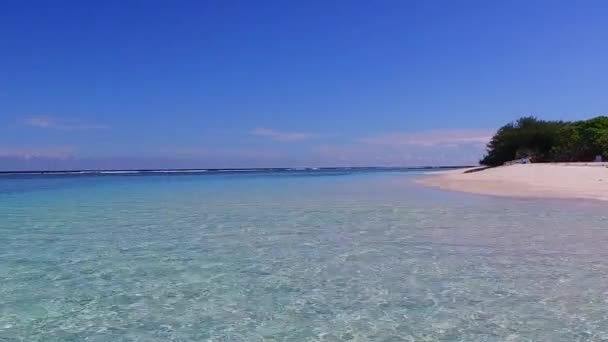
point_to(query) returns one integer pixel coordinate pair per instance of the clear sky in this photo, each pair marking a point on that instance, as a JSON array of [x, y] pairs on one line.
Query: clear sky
[[145, 84]]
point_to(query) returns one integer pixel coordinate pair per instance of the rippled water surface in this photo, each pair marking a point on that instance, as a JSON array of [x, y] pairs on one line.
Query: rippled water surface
[[303, 256]]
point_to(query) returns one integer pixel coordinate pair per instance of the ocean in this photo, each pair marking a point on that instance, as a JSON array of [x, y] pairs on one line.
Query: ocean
[[294, 255]]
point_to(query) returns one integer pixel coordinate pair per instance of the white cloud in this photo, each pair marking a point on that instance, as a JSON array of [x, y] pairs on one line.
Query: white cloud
[[402, 155], [437, 147], [447, 138], [47, 122], [224, 152], [282, 136], [52, 152]]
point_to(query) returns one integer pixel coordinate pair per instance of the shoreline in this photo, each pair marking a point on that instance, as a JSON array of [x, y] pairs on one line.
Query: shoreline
[[551, 180]]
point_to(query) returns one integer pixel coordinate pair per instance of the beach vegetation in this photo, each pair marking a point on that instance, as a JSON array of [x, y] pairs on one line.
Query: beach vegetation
[[548, 141]]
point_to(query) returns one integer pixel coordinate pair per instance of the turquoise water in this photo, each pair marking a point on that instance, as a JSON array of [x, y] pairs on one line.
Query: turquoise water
[[302, 256]]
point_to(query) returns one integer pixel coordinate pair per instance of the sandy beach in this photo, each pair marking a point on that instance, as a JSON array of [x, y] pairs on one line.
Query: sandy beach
[[573, 180]]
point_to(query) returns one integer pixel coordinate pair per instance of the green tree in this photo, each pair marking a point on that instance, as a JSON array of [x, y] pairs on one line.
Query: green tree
[[548, 141]]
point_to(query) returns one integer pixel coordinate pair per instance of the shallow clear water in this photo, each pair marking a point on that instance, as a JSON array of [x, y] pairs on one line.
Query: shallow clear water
[[308, 256]]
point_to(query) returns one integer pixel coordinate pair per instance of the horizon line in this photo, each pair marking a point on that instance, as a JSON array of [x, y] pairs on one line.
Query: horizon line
[[229, 169]]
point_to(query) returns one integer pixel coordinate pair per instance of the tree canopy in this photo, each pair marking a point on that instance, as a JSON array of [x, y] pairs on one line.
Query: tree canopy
[[548, 141]]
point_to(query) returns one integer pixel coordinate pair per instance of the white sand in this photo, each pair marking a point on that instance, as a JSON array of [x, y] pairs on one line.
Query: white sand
[[583, 181]]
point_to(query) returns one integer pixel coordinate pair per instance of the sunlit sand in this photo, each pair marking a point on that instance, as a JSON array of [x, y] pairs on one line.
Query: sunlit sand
[[575, 180]]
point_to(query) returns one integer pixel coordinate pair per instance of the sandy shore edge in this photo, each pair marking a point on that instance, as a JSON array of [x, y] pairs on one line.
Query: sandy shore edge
[[565, 181]]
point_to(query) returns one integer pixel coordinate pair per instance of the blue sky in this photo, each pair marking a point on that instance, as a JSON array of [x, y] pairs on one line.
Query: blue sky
[[146, 84]]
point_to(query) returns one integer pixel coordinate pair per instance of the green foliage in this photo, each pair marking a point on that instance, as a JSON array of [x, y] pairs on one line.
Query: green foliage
[[548, 141]]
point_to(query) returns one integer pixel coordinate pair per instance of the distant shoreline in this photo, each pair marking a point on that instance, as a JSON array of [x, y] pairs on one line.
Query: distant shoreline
[[201, 170], [550, 180]]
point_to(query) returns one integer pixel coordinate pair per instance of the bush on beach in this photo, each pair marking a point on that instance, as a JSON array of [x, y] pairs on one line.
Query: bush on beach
[[548, 141]]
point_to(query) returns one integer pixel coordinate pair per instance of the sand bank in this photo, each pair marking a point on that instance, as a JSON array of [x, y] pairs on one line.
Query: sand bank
[[574, 180]]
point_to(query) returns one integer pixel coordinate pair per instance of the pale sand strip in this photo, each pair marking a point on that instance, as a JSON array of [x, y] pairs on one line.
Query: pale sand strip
[[583, 181]]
